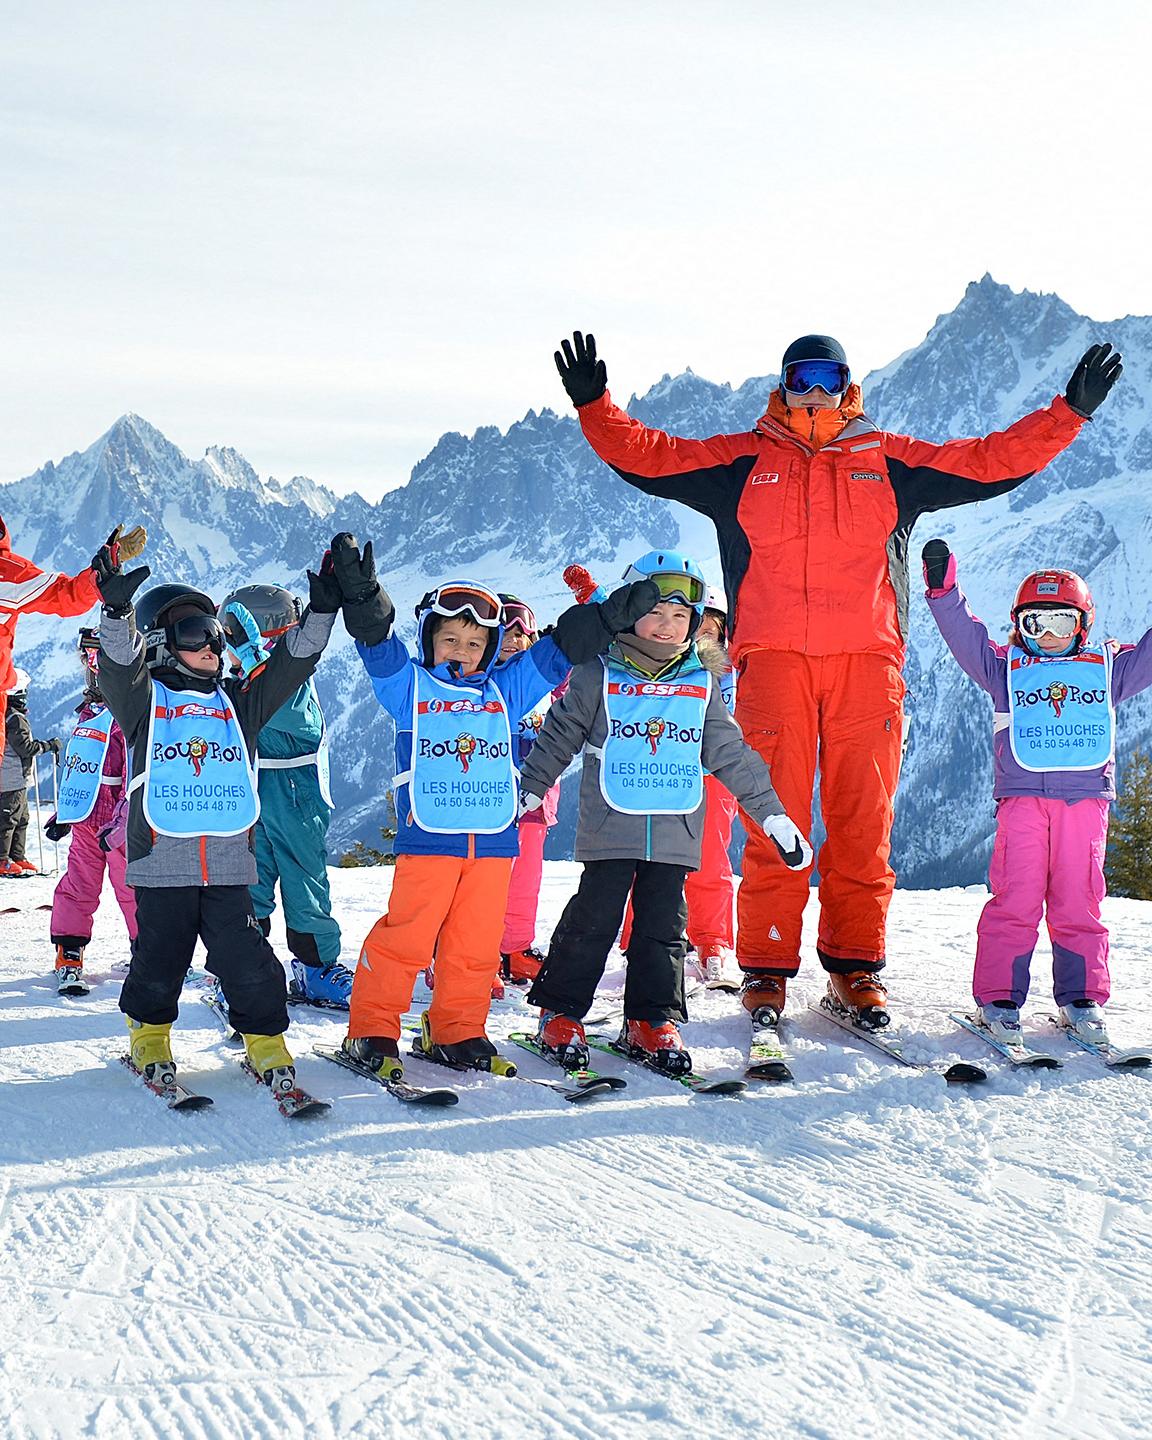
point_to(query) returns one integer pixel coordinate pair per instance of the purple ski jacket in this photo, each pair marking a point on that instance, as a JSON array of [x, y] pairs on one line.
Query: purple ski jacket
[[980, 657]]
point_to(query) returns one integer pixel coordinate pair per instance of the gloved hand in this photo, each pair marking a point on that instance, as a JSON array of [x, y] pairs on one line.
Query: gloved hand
[[53, 744], [939, 567], [368, 612], [528, 803], [244, 638], [584, 631], [1094, 376], [114, 835], [116, 588], [585, 378], [324, 593], [56, 830], [580, 582], [794, 849], [127, 547]]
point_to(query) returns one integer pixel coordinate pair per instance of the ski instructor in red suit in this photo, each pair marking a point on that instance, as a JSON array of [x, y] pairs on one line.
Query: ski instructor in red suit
[[813, 511]]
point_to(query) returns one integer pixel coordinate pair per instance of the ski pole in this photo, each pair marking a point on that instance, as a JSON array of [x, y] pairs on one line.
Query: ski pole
[[56, 809], [39, 826]]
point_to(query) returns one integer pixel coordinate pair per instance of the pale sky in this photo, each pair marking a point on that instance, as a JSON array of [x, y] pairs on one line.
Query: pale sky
[[327, 234]]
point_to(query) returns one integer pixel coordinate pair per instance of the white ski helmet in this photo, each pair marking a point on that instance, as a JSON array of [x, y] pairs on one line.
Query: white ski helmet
[[20, 685]]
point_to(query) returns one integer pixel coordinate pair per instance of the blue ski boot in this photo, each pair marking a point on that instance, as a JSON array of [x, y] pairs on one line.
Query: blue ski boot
[[327, 986]]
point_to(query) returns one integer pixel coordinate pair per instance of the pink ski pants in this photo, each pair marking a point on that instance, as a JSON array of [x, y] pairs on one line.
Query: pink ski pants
[[77, 896], [524, 888], [1048, 857]]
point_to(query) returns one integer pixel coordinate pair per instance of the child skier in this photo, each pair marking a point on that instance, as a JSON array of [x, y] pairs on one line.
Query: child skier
[[193, 801], [20, 752], [456, 798], [650, 719], [1054, 696], [92, 779], [519, 958], [290, 839]]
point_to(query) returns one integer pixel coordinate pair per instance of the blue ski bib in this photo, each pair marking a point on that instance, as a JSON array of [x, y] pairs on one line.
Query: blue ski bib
[[462, 779], [650, 763], [82, 768], [1060, 711], [530, 726], [198, 778], [727, 684]]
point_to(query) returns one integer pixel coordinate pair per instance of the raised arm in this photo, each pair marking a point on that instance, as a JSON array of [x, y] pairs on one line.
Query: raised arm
[[967, 637]]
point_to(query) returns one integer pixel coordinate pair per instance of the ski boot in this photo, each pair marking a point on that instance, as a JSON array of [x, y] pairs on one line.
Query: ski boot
[[657, 1045], [269, 1059], [475, 1053], [378, 1053], [763, 993], [150, 1050], [497, 991], [521, 967], [717, 966], [1086, 1020], [328, 986], [862, 996], [1002, 1020], [13, 870], [562, 1037], [27, 866], [70, 970]]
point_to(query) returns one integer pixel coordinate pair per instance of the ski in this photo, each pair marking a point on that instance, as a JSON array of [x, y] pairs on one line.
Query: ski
[[70, 981], [176, 1096], [766, 1056], [959, 1073], [215, 1003], [1136, 1057], [294, 1104], [699, 1083], [400, 1090], [1021, 1057], [584, 1083]]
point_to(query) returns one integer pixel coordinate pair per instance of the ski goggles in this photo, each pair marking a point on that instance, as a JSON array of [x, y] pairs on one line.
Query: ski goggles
[[1061, 623], [194, 632], [807, 375], [679, 586], [484, 606], [519, 616]]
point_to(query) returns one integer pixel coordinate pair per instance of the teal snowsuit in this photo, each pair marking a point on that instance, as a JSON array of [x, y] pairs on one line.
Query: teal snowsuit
[[290, 838]]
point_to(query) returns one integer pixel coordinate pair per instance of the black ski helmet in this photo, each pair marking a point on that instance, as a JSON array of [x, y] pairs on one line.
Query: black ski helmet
[[272, 607], [813, 347], [152, 612]]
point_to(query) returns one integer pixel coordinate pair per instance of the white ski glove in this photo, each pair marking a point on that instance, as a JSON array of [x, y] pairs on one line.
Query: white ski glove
[[528, 803], [794, 849]]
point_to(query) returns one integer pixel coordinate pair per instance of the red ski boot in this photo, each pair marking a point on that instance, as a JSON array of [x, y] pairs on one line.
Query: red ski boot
[[763, 993], [657, 1045], [863, 996]]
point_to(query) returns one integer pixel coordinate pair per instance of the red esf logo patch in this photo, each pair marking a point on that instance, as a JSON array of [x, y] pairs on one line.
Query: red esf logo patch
[[457, 707], [766, 477]]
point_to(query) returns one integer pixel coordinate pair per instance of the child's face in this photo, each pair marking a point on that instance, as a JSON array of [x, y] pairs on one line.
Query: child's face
[[668, 621], [460, 641], [711, 627], [204, 662], [513, 642], [1053, 644]]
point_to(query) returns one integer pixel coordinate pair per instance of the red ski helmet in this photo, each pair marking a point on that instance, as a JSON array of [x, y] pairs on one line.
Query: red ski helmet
[[1056, 590]]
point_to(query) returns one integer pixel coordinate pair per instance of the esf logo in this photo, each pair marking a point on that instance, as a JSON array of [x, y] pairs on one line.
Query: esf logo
[[1058, 695], [196, 751], [462, 707], [656, 730], [650, 687], [465, 748]]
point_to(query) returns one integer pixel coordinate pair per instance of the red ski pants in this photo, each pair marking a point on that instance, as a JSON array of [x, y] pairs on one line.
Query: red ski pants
[[849, 708], [443, 905]]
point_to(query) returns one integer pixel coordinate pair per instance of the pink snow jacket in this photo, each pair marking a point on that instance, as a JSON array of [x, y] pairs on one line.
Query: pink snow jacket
[[980, 657]]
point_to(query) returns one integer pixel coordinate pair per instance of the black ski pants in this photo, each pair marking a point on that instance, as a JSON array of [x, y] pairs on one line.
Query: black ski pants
[[654, 987], [171, 920], [13, 824]]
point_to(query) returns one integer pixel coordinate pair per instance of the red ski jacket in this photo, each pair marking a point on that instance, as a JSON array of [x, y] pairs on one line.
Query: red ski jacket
[[814, 530]]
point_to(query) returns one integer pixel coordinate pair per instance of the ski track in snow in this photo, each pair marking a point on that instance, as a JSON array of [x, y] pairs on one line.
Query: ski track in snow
[[867, 1253]]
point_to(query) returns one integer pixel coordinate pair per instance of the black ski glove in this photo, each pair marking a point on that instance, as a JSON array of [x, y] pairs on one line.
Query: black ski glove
[[939, 565], [584, 631], [56, 830], [1094, 376], [585, 378], [324, 593], [53, 744], [116, 588], [368, 612]]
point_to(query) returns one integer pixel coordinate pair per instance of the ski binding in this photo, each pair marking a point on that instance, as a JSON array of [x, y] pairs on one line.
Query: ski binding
[[1134, 1058], [1021, 1057], [699, 1084], [294, 1103], [961, 1072], [399, 1089], [584, 1083], [174, 1095]]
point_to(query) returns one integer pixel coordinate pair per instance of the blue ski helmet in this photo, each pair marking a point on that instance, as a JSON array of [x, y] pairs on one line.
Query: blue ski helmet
[[677, 578]]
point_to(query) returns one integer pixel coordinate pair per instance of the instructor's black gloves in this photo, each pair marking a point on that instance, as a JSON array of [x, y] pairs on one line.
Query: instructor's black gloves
[[1094, 376], [368, 612], [936, 556], [584, 631], [116, 588], [324, 593], [585, 378]]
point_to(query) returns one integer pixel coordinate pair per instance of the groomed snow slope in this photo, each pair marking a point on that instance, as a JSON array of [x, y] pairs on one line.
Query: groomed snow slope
[[867, 1253]]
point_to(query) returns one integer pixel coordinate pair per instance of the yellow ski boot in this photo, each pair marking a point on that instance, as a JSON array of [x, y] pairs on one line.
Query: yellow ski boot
[[150, 1050]]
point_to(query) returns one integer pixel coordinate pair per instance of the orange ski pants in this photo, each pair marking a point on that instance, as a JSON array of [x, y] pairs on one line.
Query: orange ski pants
[[850, 709], [444, 905]]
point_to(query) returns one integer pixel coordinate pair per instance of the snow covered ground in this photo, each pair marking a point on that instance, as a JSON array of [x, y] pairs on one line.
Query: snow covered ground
[[866, 1253]]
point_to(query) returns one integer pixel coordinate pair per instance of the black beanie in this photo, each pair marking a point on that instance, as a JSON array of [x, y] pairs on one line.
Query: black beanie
[[813, 347]]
